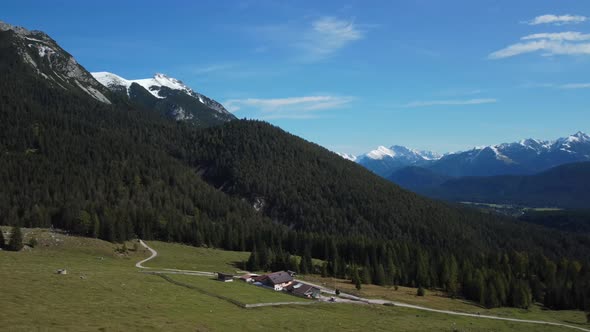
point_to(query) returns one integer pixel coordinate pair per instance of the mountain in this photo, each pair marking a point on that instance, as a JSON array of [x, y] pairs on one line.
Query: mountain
[[383, 161], [565, 186], [168, 95], [525, 157], [118, 171], [528, 156], [53, 64]]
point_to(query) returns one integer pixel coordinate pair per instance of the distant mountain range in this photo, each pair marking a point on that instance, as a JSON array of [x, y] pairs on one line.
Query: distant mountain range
[[383, 161], [528, 156]]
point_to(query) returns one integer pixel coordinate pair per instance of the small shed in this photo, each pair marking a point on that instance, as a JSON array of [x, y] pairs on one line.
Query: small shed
[[225, 277]]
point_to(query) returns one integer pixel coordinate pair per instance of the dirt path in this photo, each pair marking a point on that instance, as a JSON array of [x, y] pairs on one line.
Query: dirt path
[[154, 254], [348, 298]]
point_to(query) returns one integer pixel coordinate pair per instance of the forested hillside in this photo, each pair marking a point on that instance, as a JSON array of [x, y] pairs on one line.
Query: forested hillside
[[115, 172], [577, 221], [565, 186]]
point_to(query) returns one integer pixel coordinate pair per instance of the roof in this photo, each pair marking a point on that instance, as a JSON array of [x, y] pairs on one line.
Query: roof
[[303, 289], [280, 277]]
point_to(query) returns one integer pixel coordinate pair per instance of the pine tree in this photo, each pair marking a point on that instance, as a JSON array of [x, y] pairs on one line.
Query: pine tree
[[366, 275], [356, 279], [252, 264], [2, 240], [324, 270], [379, 278], [16, 239]]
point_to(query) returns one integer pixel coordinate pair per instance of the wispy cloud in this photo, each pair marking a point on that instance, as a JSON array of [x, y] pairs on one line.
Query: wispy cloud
[[575, 86], [289, 108], [562, 43], [566, 36], [567, 86], [455, 102], [327, 35], [312, 40], [557, 19], [459, 92]]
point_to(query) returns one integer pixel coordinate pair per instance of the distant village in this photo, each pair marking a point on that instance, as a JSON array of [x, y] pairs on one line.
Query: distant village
[[281, 281]]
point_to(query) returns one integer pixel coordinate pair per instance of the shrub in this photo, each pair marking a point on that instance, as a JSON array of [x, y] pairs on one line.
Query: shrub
[[33, 243], [16, 239], [421, 291]]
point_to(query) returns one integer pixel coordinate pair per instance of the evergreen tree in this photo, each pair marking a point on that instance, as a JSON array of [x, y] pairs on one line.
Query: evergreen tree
[[366, 275], [16, 239], [2, 239], [306, 264], [356, 279], [252, 264], [379, 278], [324, 270]]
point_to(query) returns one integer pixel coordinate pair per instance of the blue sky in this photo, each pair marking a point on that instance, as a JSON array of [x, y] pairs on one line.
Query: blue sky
[[351, 75]]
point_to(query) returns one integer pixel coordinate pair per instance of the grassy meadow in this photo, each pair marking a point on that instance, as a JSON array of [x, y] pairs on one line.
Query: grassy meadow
[[103, 291]]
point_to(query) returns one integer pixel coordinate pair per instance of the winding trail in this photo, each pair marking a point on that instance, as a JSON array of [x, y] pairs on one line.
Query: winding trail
[[154, 255], [349, 298]]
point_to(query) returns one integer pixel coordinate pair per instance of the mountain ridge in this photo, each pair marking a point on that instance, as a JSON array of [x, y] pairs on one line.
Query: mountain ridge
[[526, 156]]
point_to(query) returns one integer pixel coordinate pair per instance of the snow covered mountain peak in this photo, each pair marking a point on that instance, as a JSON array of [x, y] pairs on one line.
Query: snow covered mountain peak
[[170, 97], [380, 153], [156, 86], [579, 137]]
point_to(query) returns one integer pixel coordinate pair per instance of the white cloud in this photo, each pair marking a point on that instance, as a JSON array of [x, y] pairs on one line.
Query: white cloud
[[312, 40], [567, 43], [429, 103], [557, 19], [567, 36], [292, 107], [327, 35]]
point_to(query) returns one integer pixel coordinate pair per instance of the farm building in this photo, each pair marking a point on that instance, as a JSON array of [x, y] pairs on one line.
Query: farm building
[[277, 280], [304, 290]]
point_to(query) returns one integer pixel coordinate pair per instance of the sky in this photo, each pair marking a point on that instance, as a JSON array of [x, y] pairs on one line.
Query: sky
[[350, 75]]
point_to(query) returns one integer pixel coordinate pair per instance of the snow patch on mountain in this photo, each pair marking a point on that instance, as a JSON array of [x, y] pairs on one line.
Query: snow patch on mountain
[[181, 115], [347, 156], [111, 80], [154, 84]]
